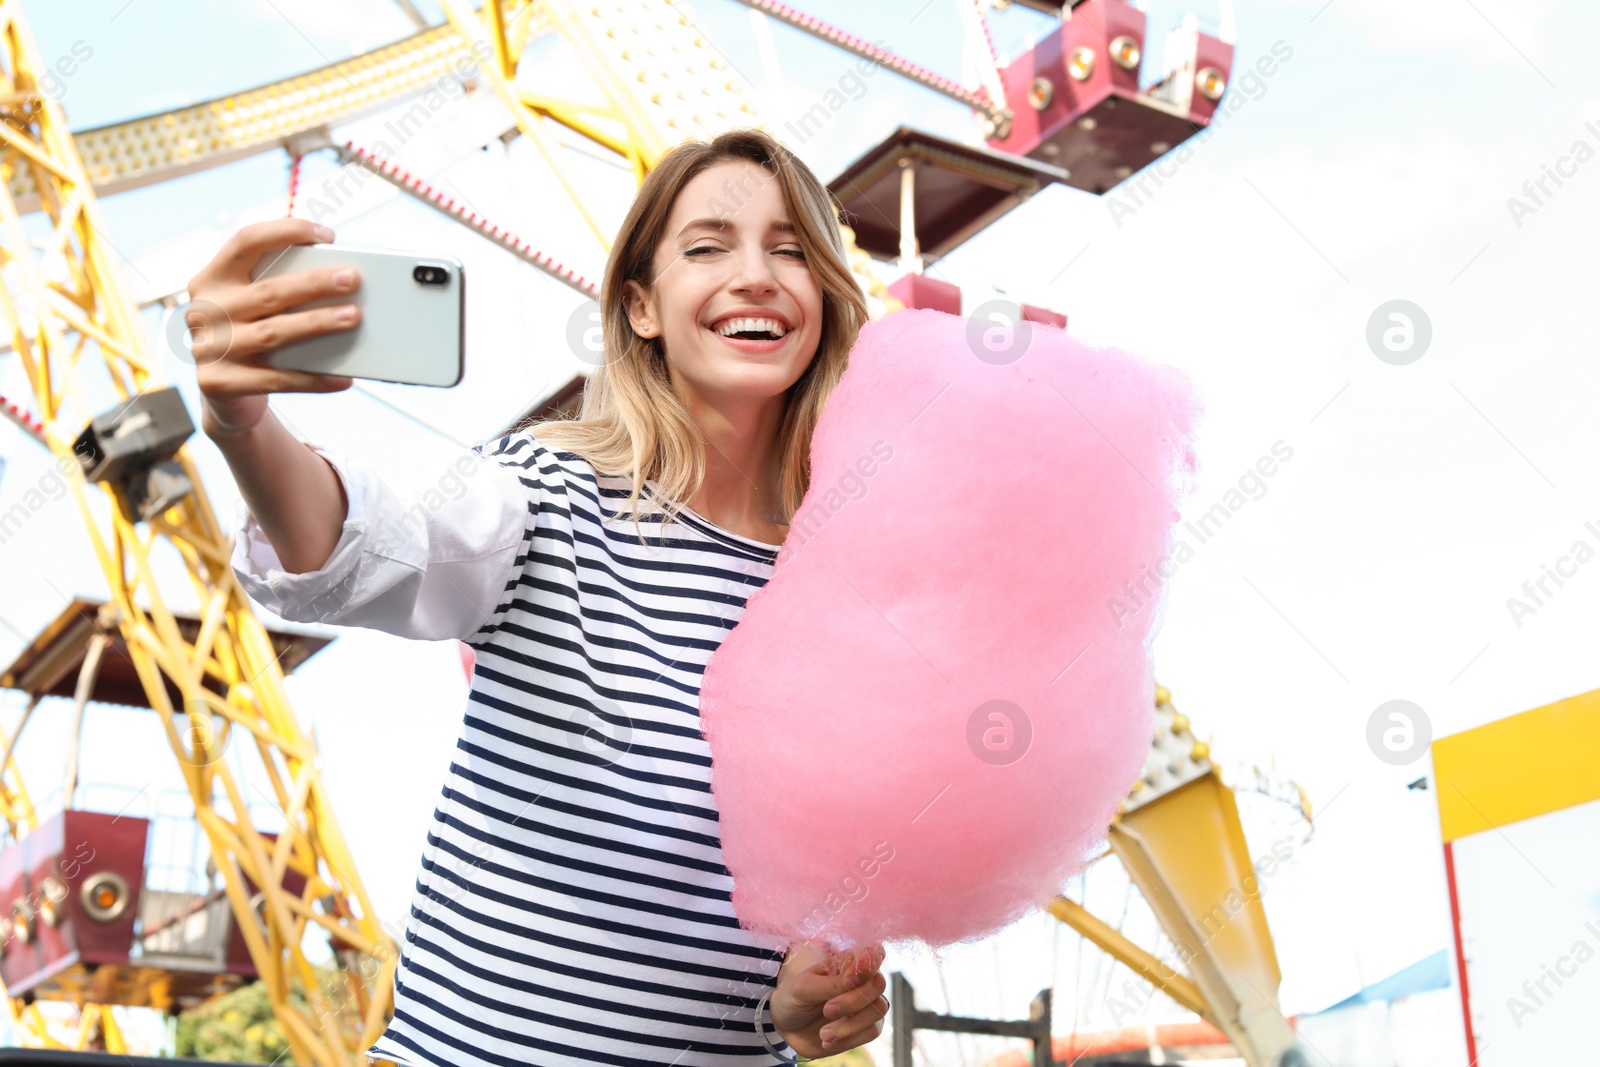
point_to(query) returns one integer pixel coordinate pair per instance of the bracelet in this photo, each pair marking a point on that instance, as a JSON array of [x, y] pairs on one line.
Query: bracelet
[[761, 1031]]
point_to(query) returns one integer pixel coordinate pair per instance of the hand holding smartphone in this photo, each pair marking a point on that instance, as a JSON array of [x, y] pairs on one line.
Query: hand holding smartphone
[[412, 315]]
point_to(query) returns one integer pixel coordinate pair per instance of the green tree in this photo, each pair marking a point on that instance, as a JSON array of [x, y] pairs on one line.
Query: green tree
[[240, 1027], [237, 1027]]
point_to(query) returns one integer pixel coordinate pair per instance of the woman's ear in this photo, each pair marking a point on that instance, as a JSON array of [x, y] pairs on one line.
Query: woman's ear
[[641, 309]]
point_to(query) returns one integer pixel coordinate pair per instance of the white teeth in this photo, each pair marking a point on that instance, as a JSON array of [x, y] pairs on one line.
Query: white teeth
[[733, 326]]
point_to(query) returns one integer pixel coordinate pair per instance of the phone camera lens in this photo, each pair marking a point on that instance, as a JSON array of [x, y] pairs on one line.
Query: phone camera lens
[[429, 275]]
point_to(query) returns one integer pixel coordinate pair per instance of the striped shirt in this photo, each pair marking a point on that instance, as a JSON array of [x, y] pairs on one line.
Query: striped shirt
[[572, 905]]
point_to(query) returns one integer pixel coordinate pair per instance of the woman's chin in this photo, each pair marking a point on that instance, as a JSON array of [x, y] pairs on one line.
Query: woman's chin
[[750, 382]]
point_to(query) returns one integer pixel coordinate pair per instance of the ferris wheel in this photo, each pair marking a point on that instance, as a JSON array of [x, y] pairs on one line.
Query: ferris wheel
[[1081, 107]]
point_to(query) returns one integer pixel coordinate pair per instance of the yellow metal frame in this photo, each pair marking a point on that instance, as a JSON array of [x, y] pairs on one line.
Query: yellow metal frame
[[55, 301], [155, 148], [16, 807], [93, 1021], [507, 51], [1186, 852], [648, 111]]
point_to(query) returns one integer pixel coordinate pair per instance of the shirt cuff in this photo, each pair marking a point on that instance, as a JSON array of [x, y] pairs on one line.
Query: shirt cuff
[[289, 594]]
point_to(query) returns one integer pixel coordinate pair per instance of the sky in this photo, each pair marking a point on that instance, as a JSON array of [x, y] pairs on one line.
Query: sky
[[1384, 160]]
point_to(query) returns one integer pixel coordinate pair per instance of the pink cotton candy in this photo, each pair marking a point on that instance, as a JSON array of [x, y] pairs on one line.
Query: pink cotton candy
[[961, 553]]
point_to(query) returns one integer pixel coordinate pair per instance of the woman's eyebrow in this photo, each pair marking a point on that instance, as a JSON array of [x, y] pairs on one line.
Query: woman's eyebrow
[[721, 223]]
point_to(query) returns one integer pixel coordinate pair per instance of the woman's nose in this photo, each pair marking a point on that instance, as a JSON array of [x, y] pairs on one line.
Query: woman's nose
[[753, 271]]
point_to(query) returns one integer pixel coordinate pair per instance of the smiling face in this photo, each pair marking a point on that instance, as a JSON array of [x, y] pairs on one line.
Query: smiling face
[[729, 253]]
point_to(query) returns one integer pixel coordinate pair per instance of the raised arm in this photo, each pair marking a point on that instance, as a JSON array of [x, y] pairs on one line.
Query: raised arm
[[319, 538], [235, 323]]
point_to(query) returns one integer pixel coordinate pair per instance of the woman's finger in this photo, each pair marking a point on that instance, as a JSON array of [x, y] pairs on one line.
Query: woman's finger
[[252, 342], [240, 253], [854, 1000], [225, 383], [304, 381], [272, 295], [858, 1028], [819, 984], [858, 961]]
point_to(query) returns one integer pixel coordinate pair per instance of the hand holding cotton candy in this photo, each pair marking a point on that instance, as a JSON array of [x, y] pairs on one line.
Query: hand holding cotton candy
[[928, 715]]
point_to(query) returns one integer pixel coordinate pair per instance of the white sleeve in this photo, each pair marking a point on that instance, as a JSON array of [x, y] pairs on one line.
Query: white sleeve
[[431, 564]]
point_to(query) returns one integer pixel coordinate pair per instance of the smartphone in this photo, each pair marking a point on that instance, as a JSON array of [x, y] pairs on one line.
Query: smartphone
[[413, 314]]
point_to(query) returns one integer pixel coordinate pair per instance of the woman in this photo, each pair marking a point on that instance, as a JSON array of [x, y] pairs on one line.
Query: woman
[[573, 903]]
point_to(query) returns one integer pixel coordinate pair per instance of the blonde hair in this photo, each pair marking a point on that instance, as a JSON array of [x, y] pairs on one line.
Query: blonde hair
[[631, 423]]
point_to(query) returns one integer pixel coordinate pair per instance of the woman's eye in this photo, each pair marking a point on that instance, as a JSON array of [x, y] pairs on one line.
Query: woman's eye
[[796, 252]]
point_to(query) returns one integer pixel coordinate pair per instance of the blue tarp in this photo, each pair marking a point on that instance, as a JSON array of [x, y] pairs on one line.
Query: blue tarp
[[1422, 976]]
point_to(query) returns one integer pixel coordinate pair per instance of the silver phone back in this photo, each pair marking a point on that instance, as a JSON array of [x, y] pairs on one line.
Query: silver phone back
[[410, 331]]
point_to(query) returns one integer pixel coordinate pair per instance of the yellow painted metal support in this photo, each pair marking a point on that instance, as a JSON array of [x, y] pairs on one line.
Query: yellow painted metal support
[[569, 115], [493, 36], [16, 807], [154, 148], [31, 1021], [646, 140], [59, 304], [1180, 839], [660, 80], [1146, 965], [1187, 854], [111, 1032], [95, 1029]]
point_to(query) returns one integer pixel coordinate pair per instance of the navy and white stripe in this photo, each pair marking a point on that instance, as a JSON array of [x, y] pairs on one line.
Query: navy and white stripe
[[572, 905]]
